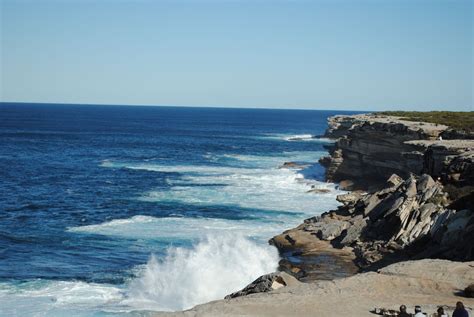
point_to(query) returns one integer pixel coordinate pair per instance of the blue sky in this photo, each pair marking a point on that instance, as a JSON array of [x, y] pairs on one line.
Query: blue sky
[[364, 55]]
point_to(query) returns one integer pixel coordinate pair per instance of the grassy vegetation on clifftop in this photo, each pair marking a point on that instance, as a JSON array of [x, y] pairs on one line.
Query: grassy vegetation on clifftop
[[457, 120]]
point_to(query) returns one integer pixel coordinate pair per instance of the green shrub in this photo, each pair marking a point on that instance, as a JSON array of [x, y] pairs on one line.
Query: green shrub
[[457, 120]]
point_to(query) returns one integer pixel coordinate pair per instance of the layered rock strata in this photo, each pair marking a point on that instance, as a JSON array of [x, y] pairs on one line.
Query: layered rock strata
[[369, 148], [406, 219]]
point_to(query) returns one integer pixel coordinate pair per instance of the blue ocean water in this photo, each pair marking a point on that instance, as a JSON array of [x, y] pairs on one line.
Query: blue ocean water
[[116, 210]]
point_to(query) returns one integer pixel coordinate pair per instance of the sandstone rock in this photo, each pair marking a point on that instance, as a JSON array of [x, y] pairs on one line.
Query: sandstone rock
[[386, 224], [266, 283], [354, 232], [370, 202], [425, 182], [455, 226], [319, 190], [394, 180], [331, 229], [370, 148], [346, 184], [349, 198], [293, 165], [410, 188]]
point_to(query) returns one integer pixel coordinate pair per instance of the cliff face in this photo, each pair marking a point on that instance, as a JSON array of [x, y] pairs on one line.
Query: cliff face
[[407, 219], [425, 209], [370, 148]]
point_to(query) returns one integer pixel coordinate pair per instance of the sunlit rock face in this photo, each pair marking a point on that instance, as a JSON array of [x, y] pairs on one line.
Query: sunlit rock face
[[370, 148]]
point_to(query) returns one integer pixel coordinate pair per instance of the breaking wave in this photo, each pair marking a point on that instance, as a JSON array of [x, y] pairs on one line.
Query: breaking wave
[[215, 267]]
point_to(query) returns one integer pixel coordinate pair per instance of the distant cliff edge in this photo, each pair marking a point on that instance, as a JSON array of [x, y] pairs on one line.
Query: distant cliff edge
[[370, 148]]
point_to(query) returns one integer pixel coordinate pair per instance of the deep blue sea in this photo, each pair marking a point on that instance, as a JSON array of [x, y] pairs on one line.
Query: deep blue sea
[[116, 210]]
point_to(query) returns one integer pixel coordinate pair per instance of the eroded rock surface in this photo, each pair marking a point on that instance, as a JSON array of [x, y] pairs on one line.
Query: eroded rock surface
[[429, 283], [406, 219], [266, 283], [369, 148]]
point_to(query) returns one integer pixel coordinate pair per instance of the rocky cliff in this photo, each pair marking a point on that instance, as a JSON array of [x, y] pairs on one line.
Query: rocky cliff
[[418, 194], [407, 219], [370, 148]]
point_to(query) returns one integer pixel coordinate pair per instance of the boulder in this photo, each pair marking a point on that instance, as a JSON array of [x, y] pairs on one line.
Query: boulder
[[394, 180], [410, 190], [354, 232], [424, 183], [349, 198], [331, 229], [265, 283]]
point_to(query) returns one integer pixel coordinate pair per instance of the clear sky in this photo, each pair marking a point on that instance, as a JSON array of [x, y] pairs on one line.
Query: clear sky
[[366, 55]]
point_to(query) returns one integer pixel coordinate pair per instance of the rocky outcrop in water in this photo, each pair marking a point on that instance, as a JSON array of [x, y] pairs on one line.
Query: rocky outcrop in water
[[406, 219], [369, 148]]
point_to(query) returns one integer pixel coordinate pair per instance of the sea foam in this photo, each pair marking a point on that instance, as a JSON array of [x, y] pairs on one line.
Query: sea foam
[[247, 181], [297, 138], [147, 227], [225, 254], [215, 267]]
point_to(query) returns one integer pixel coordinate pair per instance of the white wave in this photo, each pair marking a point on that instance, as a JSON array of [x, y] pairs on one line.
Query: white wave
[[251, 181], [57, 298], [237, 253], [146, 227], [297, 137], [216, 267], [269, 161], [261, 189]]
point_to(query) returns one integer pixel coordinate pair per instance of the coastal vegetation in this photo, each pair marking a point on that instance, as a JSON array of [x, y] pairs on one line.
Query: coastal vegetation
[[454, 119]]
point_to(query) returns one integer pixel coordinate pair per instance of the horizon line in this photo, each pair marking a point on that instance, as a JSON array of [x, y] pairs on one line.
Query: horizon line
[[219, 107], [179, 106]]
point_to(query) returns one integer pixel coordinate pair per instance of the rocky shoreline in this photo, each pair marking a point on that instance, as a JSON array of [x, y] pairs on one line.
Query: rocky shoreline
[[428, 283], [411, 203], [426, 212]]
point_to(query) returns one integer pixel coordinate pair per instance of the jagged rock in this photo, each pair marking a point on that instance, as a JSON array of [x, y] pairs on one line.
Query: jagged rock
[[354, 232], [388, 223], [394, 180], [425, 182], [383, 206], [349, 198], [410, 188], [265, 283], [331, 229], [370, 202], [455, 227]]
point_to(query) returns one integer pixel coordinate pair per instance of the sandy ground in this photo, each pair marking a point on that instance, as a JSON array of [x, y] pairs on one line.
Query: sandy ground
[[428, 283]]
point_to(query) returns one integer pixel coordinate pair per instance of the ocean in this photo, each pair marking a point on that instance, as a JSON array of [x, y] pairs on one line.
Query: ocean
[[120, 210]]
